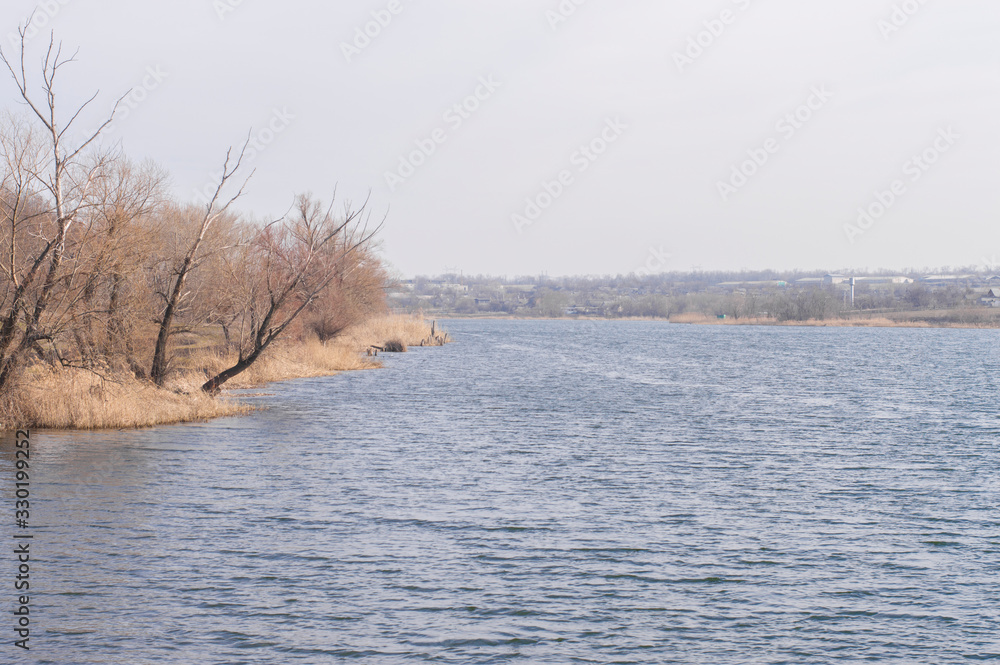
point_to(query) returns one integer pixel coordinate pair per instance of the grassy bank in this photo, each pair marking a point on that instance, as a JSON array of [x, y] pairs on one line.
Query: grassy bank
[[945, 318], [48, 397]]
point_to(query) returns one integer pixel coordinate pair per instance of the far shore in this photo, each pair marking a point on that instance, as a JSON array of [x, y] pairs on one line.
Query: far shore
[[960, 319]]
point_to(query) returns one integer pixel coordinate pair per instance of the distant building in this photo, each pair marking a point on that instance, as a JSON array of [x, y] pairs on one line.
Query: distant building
[[949, 280], [883, 279], [836, 280], [992, 298]]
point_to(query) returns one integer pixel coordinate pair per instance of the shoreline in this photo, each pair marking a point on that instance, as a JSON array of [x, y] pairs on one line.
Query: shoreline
[[77, 399], [874, 321]]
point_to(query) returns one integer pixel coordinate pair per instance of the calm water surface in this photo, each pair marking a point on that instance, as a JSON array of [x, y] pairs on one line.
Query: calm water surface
[[545, 492]]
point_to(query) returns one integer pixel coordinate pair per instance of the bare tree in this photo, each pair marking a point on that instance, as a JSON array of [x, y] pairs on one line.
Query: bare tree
[[285, 267], [357, 291], [19, 201], [63, 181], [176, 295], [123, 221]]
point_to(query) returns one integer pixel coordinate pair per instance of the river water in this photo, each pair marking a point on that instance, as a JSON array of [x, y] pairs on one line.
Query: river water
[[544, 492]]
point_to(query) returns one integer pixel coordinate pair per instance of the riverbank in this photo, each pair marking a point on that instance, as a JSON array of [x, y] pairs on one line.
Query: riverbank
[[69, 398]]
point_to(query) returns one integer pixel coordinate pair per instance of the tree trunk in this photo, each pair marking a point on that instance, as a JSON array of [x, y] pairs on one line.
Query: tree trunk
[[215, 383], [158, 372]]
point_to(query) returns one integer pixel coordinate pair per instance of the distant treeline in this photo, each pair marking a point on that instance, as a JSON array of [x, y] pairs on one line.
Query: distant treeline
[[739, 295]]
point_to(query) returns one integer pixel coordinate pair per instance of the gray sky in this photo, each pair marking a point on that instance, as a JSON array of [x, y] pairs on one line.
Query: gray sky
[[663, 122]]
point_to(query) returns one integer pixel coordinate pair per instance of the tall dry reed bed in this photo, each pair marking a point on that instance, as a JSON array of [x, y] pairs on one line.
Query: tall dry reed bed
[[47, 397]]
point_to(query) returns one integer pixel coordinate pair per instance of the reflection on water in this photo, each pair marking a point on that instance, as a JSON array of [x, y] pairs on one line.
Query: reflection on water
[[547, 492]]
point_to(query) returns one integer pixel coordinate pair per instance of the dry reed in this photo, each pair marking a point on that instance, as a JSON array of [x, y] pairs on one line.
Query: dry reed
[[47, 398], [64, 398], [897, 320]]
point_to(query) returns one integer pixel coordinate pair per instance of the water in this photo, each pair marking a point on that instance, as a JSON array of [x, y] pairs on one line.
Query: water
[[546, 492]]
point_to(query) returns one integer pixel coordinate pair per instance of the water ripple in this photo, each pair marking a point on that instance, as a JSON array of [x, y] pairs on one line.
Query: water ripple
[[549, 492]]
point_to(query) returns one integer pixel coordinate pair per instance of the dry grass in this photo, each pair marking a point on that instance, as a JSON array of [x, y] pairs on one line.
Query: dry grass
[[410, 330], [930, 319], [297, 360], [284, 362], [48, 398]]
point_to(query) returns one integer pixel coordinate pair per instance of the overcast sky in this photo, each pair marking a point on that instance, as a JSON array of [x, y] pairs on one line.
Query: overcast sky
[[590, 137]]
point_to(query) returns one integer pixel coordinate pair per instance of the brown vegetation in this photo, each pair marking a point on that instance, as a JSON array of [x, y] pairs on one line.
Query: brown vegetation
[[394, 346], [51, 398], [70, 398], [117, 303], [952, 318]]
